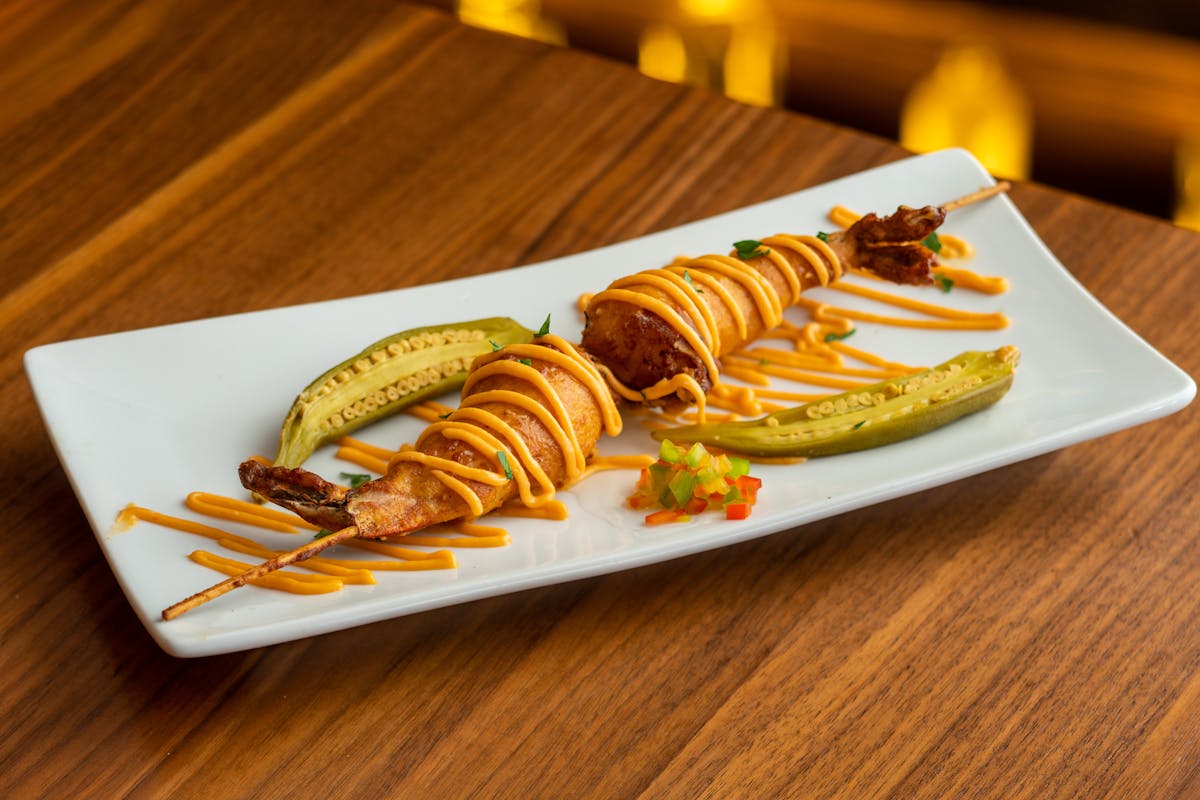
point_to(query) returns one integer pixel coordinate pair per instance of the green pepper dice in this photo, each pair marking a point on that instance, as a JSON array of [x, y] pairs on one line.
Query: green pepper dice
[[389, 376], [886, 412]]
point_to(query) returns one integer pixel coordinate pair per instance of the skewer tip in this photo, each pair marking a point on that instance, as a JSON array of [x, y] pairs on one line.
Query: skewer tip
[[307, 550]]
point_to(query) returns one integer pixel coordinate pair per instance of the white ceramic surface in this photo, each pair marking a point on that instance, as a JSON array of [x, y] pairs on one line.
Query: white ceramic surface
[[149, 415]]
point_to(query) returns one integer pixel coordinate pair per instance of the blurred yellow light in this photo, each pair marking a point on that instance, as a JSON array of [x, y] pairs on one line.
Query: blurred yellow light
[[753, 65], [969, 101], [711, 8], [721, 44], [662, 54], [1187, 184], [518, 17]]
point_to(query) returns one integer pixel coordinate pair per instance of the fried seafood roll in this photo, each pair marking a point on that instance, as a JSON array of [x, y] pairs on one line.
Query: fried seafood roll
[[529, 417], [659, 333]]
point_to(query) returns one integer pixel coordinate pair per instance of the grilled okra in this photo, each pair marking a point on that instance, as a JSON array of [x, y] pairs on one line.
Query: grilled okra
[[385, 378], [886, 412]]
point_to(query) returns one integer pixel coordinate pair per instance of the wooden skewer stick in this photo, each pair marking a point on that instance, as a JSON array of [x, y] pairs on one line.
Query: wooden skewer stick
[[975, 197], [299, 554]]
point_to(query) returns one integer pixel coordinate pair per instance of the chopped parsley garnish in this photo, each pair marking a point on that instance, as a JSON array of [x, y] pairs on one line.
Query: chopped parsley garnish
[[356, 479], [503, 456], [545, 329], [944, 283], [495, 345], [823, 236], [750, 248], [859, 424], [446, 415], [526, 361], [321, 534], [688, 280], [837, 337], [932, 242]]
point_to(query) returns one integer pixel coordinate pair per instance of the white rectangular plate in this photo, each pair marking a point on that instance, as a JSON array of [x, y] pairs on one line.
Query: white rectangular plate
[[146, 416]]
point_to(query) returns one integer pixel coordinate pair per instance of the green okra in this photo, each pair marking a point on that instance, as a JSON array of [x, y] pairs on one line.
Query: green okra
[[388, 376], [886, 412]]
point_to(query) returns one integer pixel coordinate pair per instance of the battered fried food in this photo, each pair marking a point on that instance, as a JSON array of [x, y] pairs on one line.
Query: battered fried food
[[530, 415], [658, 324]]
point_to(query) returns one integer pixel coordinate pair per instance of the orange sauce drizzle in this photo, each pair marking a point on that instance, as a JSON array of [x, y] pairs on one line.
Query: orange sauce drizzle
[[952, 247], [817, 356], [430, 410], [602, 463], [682, 282], [487, 433]]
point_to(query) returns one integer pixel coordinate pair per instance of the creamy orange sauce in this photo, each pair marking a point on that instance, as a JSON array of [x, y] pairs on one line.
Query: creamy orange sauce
[[602, 463], [682, 282], [488, 434], [336, 571], [430, 410], [952, 248], [815, 355], [692, 318], [942, 314]]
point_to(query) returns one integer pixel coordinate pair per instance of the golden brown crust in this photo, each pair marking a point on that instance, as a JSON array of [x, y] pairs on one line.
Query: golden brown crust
[[891, 247], [641, 348], [410, 496]]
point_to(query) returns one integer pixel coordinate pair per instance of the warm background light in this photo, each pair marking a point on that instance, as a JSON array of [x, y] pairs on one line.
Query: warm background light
[[1187, 176], [518, 17], [1109, 110], [968, 100], [727, 45]]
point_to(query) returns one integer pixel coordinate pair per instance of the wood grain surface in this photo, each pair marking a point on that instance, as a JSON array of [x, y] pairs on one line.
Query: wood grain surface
[[1029, 633]]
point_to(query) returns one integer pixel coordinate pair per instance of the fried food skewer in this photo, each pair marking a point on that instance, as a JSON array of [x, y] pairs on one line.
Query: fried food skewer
[[530, 415], [980, 194], [536, 411], [659, 333], [278, 562]]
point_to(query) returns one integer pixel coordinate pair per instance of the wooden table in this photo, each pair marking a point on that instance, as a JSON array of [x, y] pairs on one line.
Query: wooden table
[[1029, 633]]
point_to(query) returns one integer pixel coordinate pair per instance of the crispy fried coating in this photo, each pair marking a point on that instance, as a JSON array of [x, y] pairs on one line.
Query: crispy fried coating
[[640, 348], [410, 496], [890, 247]]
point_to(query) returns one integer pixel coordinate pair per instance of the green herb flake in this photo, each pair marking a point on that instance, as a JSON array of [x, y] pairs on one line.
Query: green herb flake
[[932, 242], [321, 534], [823, 236], [859, 424], [762, 362], [355, 479], [526, 361], [750, 248], [495, 345], [837, 337], [688, 280], [944, 283], [503, 456], [545, 329], [446, 415]]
